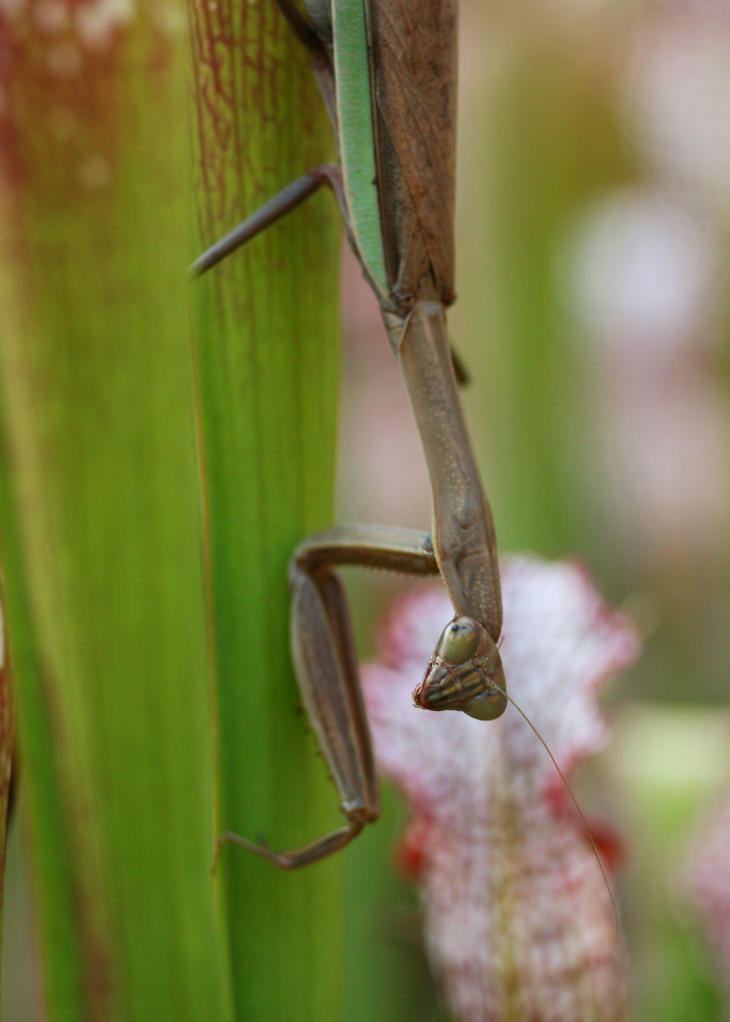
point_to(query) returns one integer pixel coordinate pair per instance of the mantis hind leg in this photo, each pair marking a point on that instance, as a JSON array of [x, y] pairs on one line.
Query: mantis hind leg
[[301, 28], [325, 662], [276, 207]]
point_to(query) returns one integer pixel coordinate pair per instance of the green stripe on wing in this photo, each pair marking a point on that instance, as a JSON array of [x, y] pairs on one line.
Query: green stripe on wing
[[355, 114]]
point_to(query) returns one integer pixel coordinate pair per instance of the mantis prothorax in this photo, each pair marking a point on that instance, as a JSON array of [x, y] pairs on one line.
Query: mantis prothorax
[[387, 72]]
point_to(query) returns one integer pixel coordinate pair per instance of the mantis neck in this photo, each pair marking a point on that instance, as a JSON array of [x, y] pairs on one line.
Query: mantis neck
[[463, 530]]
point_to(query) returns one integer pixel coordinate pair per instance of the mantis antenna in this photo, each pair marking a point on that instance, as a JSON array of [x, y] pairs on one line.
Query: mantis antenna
[[578, 809]]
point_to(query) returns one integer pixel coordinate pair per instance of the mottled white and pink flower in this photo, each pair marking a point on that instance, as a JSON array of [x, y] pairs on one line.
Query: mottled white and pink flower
[[519, 923]]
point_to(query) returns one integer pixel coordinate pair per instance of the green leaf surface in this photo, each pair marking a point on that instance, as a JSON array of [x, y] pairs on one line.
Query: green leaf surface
[[6, 748], [100, 516], [267, 366]]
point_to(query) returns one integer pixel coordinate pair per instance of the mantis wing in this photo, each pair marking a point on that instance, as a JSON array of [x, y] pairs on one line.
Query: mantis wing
[[395, 79]]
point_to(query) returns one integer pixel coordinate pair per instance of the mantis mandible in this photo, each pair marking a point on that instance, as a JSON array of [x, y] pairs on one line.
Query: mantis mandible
[[387, 73]]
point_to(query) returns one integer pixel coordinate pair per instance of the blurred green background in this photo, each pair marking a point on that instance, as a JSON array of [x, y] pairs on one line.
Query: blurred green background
[[593, 219]]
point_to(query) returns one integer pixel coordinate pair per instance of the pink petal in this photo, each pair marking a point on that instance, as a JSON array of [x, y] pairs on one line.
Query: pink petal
[[518, 919]]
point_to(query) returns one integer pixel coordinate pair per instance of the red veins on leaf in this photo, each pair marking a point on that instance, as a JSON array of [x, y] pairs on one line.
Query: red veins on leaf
[[518, 920]]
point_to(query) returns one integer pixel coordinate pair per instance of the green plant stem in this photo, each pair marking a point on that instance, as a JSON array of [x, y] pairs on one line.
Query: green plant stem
[[99, 517], [266, 345]]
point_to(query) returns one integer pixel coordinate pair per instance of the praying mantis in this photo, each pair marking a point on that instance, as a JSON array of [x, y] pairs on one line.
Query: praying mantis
[[386, 71]]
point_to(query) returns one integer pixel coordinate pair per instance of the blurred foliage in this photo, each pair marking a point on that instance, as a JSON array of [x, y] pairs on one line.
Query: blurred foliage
[[665, 767], [6, 749]]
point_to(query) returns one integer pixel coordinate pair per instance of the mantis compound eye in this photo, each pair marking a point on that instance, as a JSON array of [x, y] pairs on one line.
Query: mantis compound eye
[[465, 673], [459, 640], [491, 703]]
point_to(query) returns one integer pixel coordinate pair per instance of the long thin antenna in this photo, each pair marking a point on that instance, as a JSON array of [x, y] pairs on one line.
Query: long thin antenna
[[574, 800]]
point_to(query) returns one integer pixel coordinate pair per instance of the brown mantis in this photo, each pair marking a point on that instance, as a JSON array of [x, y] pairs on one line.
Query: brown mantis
[[386, 71]]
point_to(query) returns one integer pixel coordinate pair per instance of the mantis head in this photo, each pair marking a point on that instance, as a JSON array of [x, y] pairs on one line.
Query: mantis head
[[464, 673]]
